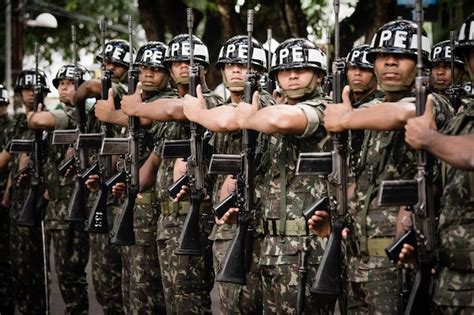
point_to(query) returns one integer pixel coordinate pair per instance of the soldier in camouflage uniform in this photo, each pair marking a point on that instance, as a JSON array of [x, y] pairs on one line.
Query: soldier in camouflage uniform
[[6, 298], [25, 241], [70, 241], [141, 277], [453, 144], [441, 72], [372, 278], [187, 280], [232, 61], [106, 258]]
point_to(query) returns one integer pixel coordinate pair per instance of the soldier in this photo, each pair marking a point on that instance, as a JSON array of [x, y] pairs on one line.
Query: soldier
[[372, 278], [294, 126], [141, 277], [26, 241], [441, 72], [70, 242], [232, 62], [6, 301], [187, 280], [454, 144], [106, 258]]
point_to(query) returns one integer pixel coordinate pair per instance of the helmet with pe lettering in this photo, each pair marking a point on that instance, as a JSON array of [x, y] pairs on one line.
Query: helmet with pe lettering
[[297, 53], [116, 51], [4, 97], [67, 72], [179, 50], [152, 54], [399, 37], [235, 50], [466, 35], [441, 53], [27, 80], [357, 57]]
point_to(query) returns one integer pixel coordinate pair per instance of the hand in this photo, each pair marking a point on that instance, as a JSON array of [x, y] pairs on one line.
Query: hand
[[92, 183], [182, 194], [319, 223], [229, 217], [407, 255], [420, 130], [194, 106], [119, 190], [334, 113], [245, 110], [30, 113], [105, 108], [130, 103]]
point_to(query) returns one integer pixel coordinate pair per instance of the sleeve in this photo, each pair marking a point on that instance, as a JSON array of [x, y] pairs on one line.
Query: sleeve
[[442, 110], [61, 119], [314, 117]]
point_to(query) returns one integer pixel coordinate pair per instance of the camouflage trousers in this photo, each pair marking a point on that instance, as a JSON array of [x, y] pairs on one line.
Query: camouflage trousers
[[453, 292], [142, 287], [6, 297], [187, 281], [27, 269], [235, 298], [280, 290], [71, 254], [373, 297], [106, 273]]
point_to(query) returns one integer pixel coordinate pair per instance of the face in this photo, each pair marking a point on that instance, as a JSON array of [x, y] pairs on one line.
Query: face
[[393, 69], [180, 69], [66, 91], [293, 79], [28, 97], [150, 76], [359, 77], [235, 72], [117, 69]]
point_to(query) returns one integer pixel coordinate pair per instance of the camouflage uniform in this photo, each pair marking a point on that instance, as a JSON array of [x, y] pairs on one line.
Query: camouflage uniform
[[187, 280], [455, 283], [372, 278], [235, 298], [26, 242], [106, 258], [6, 297], [141, 276], [285, 196], [70, 241]]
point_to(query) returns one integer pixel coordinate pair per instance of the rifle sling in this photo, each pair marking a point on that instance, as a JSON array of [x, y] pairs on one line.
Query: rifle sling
[[282, 167]]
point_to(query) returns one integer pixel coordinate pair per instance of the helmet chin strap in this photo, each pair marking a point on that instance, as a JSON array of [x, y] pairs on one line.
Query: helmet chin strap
[[156, 88], [123, 78], [363, 87], [176, 80], [405, 86], [298, 93], [234, 86]]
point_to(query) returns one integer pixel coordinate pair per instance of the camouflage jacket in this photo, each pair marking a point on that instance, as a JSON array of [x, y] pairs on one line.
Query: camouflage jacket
[[230, 143], [384, 156], [6, 123], [58, 186], [285, 195]]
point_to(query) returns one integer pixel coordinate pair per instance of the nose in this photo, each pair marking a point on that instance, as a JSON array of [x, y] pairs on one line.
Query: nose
[[293, 74], [390, 60]]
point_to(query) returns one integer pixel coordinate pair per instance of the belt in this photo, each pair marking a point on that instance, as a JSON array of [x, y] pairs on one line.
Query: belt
[[376, 246], [174, 208], [295, 227], [146, 198], [457, 260]]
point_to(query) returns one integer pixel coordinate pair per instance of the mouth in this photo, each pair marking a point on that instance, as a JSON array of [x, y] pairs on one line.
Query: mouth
[[390, 75]]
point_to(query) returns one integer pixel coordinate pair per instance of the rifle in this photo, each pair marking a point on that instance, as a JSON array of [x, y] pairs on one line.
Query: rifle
[[424, 216], [31, 211], [75, 208], [270, 86], [328, 280], [97, 221], [122, 232], [238, 257], [455, 91], [327, 86]]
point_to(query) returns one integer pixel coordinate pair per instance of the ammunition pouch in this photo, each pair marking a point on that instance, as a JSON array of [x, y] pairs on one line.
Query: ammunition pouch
[[174, 208], [296, 227], [147, 198], [457, 260]]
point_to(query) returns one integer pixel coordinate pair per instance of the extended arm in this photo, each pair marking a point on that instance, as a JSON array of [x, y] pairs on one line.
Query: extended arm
[[41, 120], [148, 171]]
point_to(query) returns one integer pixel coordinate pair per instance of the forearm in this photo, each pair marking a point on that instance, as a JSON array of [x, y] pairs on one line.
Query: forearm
[[227, 187], [385, 116], [148, 172], [4, 159], [219, 119], [282, 119], [117, 117], [457, 151], [162, 110]]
